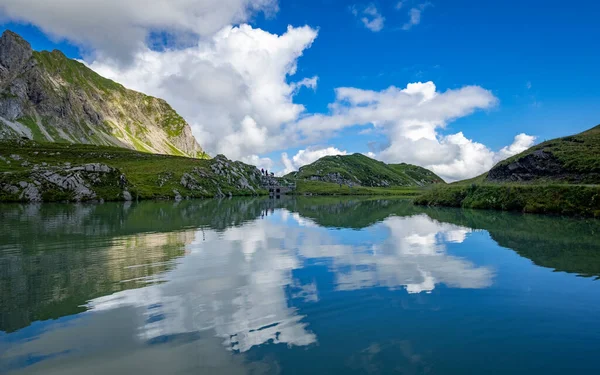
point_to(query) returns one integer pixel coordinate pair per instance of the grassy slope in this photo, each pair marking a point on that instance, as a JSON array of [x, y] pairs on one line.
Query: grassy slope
[[375, 177], [142, 170], [578, 154]]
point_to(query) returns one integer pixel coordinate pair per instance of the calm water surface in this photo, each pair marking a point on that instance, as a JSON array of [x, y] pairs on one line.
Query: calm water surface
[[298, 286]]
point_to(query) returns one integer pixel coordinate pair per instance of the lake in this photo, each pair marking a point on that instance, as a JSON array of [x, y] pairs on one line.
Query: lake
[[296, 286]]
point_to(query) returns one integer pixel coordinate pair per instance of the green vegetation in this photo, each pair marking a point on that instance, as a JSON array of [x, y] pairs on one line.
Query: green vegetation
[[148, 176], [33, 126], [559, 176], [74, 72], [542, 199], [358, 174], [578, 158], [172, 123]]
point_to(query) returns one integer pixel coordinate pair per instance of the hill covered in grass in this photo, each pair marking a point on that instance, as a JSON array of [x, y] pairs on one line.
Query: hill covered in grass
[[560, 176], [47, 97], [360, 170], [34, 172], [574, 159]]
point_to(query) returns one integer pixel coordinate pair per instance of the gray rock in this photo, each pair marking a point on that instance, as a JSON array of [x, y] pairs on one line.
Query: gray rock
[[178, 196], [72, 182], [11, 108], [538, 164], [92, 167], [10, 189], [14, 51], [31, 194]]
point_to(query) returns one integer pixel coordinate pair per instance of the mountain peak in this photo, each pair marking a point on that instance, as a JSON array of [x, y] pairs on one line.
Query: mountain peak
[[14, 50], [47, 97]]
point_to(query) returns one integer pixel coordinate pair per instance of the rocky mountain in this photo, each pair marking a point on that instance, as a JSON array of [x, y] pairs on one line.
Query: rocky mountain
[[48, 172], [572, 159], [45, 96], [360, 170]]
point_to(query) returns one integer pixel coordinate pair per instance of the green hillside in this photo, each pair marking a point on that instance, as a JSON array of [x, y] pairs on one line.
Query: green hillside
[[34, 172], [572, 159], [360, 170], [560, 176]]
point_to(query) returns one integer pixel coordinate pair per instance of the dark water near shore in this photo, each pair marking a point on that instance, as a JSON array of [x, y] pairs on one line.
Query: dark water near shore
[[298, 286]]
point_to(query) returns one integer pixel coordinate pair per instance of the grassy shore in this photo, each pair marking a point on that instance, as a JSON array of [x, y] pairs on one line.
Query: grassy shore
[[560, 199]]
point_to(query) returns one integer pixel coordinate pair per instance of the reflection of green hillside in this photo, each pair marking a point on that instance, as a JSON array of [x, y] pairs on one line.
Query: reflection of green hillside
[[54, 258], [38, 227], [564, 244], [353, 212], [54, 283]]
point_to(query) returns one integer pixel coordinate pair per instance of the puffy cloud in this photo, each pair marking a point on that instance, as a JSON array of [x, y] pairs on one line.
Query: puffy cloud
[[232, 89], [120, 28], [521, 143], [411, 119], [307, 156], [259, 162], [370, 17]]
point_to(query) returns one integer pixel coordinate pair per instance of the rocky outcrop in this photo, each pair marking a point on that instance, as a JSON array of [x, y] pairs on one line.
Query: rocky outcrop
[[336, 178], [45, 96], [32, 172], [538, 164], [65, 183], [239, 175]]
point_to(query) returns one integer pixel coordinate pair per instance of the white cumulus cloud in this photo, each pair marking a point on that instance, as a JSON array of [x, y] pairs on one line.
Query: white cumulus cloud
[[233, 89], [120, 28], [265, 163], [521, 143], [307, 156], [411, 119]]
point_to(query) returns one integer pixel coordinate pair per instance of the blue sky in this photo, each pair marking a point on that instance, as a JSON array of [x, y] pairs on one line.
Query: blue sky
[[538, 59]]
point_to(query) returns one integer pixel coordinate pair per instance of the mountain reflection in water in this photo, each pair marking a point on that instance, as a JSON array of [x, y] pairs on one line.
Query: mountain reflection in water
[[212, 285]]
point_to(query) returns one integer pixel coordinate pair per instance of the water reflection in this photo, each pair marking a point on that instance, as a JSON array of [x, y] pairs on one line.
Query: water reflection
[[183, 287]]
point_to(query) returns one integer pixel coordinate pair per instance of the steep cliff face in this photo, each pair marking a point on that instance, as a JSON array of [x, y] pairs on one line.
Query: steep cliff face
[[45, 96]]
